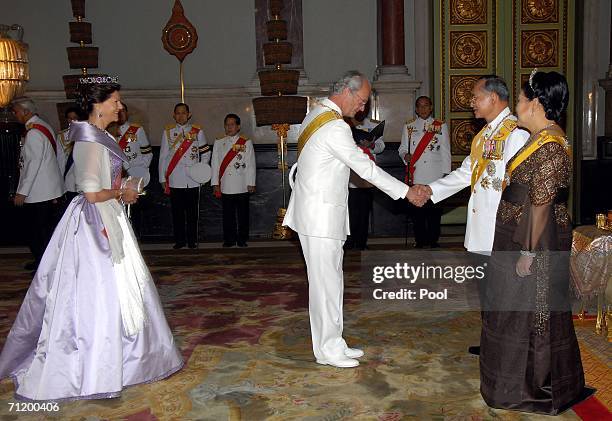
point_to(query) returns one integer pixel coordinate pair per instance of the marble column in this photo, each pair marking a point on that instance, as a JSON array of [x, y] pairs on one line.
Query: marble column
[[607, 85], [391, 49]]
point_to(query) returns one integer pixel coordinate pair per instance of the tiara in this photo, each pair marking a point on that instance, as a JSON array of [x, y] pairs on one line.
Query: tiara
[[98, 79], [533, 72]]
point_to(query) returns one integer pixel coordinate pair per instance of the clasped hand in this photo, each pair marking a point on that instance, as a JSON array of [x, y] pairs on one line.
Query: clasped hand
[[419, 194]]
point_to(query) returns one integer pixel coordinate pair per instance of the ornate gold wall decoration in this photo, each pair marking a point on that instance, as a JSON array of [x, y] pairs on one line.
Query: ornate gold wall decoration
[[461, 92], [468, 49], [465, 12], [463, 131], [539, 11], [540, 48]]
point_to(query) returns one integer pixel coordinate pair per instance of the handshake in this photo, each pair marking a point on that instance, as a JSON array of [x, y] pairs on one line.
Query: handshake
[[419, 194]]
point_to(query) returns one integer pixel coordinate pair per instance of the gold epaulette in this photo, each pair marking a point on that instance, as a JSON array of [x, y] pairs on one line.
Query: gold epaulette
[[510, 124], [219, 137], [170, 126], [197, 126], [136, 125], [244, 137], [374, 121], [408, 122]]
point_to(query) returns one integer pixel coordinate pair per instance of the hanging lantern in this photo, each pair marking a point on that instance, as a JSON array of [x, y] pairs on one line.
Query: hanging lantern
[[14, 69]]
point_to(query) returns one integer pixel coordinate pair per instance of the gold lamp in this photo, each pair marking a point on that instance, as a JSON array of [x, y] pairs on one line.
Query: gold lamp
[[14, 68]]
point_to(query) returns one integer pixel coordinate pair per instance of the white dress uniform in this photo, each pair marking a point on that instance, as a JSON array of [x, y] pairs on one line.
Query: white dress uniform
[[170, 142], [436, 158], [66, 164], [184, 191], [318, 212], [485, 197], [240, 172], [138, 149], [39, 178]]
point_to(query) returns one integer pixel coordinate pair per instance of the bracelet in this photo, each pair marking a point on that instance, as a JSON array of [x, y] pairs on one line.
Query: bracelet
[[527, 253]]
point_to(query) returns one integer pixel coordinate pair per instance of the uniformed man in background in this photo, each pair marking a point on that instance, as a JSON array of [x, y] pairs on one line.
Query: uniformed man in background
[[182, 145], [361, 193], [40, 181], [133, 140], [64, 154], [425, 149], [233, 179]]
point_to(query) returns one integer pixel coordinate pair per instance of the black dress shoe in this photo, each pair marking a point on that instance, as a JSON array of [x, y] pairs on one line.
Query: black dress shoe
[[474, 350], [229, 244], [31, 266], [192, 246], [242, 244], [178, 246]]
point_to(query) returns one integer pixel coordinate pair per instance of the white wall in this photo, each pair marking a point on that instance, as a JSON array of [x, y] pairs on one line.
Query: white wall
[[128, 34]]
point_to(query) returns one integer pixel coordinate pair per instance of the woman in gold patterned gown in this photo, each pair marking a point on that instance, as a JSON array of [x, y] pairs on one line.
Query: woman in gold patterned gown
[[529, 357]]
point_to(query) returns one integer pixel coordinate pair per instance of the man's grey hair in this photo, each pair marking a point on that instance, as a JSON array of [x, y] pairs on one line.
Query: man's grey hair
[[353, 80], [26, 103], [495, 84]]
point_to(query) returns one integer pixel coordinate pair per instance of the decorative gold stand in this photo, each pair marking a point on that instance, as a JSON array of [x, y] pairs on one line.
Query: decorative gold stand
[[280, 232]]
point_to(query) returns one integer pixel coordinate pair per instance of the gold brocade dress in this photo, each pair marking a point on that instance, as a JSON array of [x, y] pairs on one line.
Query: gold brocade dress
[[529, 357]]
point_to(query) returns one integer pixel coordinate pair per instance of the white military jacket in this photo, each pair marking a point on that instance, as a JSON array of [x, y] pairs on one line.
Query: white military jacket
[[318, 203], [379, 147], [241, 170], [39, 176], [66, 164], [171, 140], [485, 197], [436, 158], [138, 149]]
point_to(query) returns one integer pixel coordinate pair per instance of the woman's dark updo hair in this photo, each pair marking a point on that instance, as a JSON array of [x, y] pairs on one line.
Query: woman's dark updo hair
[[551, 90], [89, 94]]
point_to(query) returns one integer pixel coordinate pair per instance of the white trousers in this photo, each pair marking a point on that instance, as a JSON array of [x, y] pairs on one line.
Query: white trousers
[[325, 294]]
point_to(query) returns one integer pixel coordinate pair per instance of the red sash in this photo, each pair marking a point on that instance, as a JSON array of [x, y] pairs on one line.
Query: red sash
[[368, 152], [178, 155], [124, 139], [423, 143], [47, 134], [229, 156]]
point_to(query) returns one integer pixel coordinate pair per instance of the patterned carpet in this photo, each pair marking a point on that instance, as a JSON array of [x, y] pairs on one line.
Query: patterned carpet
[[240, 320]]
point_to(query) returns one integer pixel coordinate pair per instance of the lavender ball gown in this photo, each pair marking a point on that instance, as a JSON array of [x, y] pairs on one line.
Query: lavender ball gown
[[91, 322]]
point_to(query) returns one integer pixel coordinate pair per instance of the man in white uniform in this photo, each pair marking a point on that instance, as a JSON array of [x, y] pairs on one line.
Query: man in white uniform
[[40, 181], [132, 139], [483, 170], [318, 212], [182, 145], [233, 179], [425, 149]]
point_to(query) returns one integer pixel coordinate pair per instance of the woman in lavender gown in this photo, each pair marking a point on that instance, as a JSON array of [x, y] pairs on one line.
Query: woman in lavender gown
[[91, 322]]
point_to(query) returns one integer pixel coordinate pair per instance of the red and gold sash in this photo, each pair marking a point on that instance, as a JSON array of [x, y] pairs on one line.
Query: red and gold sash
[[189, 139], [46, 133], [229, 156], [423, 143], [125, 138]]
